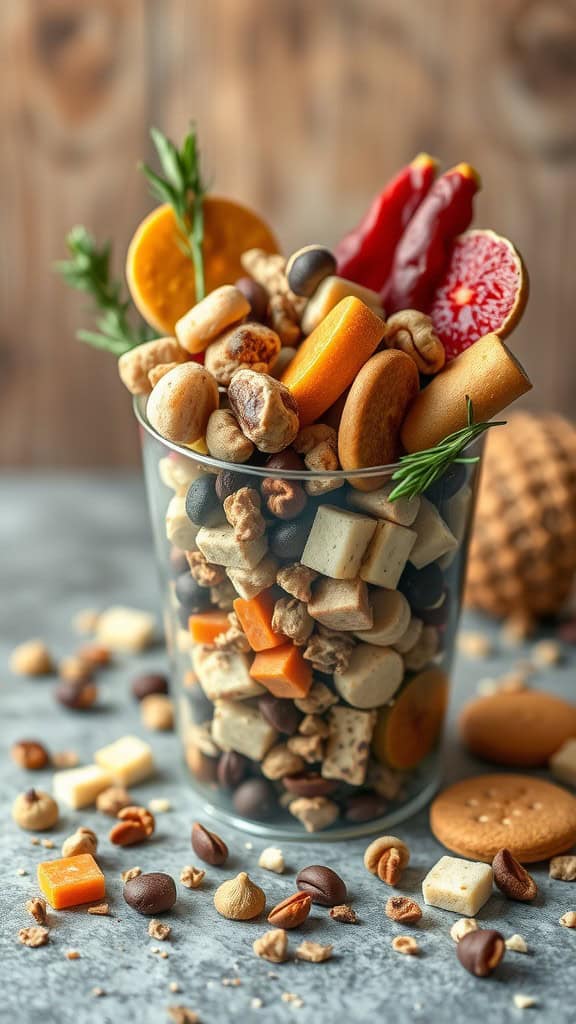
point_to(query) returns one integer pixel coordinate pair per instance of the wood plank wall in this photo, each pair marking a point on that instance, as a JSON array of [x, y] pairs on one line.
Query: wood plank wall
[[304, 109]]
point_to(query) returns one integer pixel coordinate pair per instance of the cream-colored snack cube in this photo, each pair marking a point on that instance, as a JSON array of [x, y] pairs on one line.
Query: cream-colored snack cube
[[372, 677], [208, 318], [387, 554], [180, 530], [225, 675], [329, 293], [455, 512], [348, 744], [128, 760], [242, 728], [126, 629], [391, 618], [341, 604], [178, 473], [462, 886], [562, 764], [79, 787], [219, 545], [337, 542], [434, 537], [410, 638], [248, 583], [403, 511]]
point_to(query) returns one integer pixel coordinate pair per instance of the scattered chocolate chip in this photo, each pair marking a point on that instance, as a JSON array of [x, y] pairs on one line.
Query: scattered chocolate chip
[[256, 295], [151, 893], [481, 951], [190, 594], [232, 769], [152, 682], [308, 267], [308, 784], [255, 798], [76, 696], [203, 506], [423, 588], [281, 714], [512, 879], [228, 482], [208, 846], [364, 807], [322, 884]]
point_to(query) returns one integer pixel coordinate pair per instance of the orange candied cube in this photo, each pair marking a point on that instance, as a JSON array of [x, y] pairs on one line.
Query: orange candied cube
[[71, 880], [283, 671], [206, 626]]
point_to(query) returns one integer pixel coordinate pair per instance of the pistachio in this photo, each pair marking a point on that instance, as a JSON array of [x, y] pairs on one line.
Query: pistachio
[[84, 840], [387, 857], [239, 899], [35, 811]]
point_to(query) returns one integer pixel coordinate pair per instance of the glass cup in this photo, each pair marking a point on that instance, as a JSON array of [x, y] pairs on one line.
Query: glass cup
[[332, 728]]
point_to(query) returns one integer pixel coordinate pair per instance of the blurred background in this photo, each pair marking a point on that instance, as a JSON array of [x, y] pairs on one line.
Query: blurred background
[[304, 110]]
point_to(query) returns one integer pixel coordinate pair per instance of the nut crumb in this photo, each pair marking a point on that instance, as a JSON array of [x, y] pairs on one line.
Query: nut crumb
[[403, 910], [72, 954], [22, 871], [97, 992], [192, 877], [563, 868], [475, 645], [37, 907], [163, 954], [182, 1015], [130, 873], [159, 805], [174, 986], [35, 841], [256, 1003], [231, 982], [272, 946], [33, 937], [272, 859], [344, 914], [314, 952], [517, 944], [48, 844], [65, 759], [291, 997], [406, 945], [461, 928], [158, 930], [248, 846], [100, 910], [522, 1002], [568, 920]]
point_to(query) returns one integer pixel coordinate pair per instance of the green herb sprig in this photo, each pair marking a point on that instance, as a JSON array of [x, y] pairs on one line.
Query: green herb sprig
[[421, 469], [88, 270], [184, 188]]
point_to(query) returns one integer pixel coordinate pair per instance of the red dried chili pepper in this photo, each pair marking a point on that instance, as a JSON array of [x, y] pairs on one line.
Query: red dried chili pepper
[[423, 251], [366, 253]]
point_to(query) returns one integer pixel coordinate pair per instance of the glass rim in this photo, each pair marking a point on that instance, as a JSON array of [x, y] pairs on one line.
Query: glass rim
[[139, 407]]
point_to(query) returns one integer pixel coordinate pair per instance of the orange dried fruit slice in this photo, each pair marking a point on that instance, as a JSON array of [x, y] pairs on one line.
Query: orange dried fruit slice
[[483, 290], [407, 732], [160, 274]]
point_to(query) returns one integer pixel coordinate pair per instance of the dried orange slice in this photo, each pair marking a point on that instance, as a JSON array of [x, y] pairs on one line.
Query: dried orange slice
[[484, 290], [161, 276], [407, 732]]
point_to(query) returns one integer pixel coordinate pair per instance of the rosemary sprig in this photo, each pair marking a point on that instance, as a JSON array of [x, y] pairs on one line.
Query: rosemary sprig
[[418, 471], [184, 188], [88, 270]]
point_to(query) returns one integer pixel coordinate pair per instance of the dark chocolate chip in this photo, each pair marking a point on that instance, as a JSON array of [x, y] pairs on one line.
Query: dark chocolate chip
[[288, 539], [208, 846], [77, 696], [283, 715], [322, 884], [422, 588], [178, 562], [308, 267], [255, 798], [364, 807], [448, 485], [228, 482], [439, 614], [190, 594], [150, 894], [203, 506], [286, 459], [256, 295], [481, 951], [308, 784], [232, 769], [152, 682]]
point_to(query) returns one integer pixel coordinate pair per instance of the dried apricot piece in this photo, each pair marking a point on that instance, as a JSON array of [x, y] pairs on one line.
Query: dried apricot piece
[[407, 732]]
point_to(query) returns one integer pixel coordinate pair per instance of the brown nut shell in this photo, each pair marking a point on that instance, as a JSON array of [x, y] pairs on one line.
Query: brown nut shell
[[512, 879], [208, 846], [291, 912], [481, 951]]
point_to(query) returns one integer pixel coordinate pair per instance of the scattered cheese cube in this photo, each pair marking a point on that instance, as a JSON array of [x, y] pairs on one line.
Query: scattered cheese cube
[[562, 764], [403, 511], [79, 787], [372, 677], [71, 880], [341, 604], [224, 675], [462, 886], [126, 629], [242, 728], [434, 539], [337, 542], [180, 530], [348, 744], [387, 554], [128, 760], [219, 545]]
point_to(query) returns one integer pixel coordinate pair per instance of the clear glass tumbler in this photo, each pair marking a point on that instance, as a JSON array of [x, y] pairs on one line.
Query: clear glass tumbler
[[328, 724]]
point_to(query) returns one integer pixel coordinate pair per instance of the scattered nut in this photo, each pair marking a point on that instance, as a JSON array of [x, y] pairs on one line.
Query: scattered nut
[[242, 510], [297, 580], [239, 899], [291, 618], [34, 936], [30, 754], [208, 846], [157, 712], [100, 910], [112, 800], [72, 954], [65, 759], [135, 365], [291, 912], [387, 857], [225, 440], [403, 909], [315, 813], [481, 951], [75, 669], [313, 952], [183, 1015], [406, 945], [413, 333], [568, 920], [77, 696], [285, 499], [84, 840], [126, 876], [265, 409], [37, 907], [517, 944], [546, 653], [35, 811], [462, 927], [248, 346], [563, 868], [31, 659], [272, 859], [512, 879], [95, 655], [158, 930], [192, 877], [272, 946], [522, 1002], [344, 914], [134, 826], [159, 805]]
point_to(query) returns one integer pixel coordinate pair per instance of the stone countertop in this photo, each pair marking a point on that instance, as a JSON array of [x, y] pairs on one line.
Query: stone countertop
[[70, 542]]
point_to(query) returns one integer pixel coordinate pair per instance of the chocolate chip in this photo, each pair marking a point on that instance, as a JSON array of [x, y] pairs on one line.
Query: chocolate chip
[[481, 951], [422, 588], [283, 715], [228, 482], [322, 884], [308, 784], [150, 894], [232, 768], [77, 696], [208, 846], [439, 614], [308, 267], [512, 879], [448, 485], [190, 594], [203, 506], [364, 807], [287, 459], [288, 539], [152, 682], [256, 295], [177, 561], [255, 798]]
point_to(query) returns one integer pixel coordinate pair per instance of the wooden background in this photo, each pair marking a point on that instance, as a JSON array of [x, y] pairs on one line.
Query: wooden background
[[304, 108]]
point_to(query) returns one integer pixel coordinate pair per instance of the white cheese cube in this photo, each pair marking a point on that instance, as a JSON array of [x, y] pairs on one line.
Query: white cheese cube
[[219, 545], [387, 554], [462, 886], [403, 511], [341, 604], [248, 583], [126, 629], [348, 744], [79, 787], [222, 674], [562, 764], [391, 618], [242, 728], [434, 537], [128, 760], [180, 530], [337, 542], [372, 677]]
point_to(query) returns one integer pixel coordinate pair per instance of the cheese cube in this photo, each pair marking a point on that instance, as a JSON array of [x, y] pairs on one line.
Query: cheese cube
[[348, 744], [462, 886], [403, 511], [180, 530], [341, 604], [79, 787], [224, 675], [219, 545], [128, 760], [242, 728], [562, 764], [372, 677], [126, 629], [337, 542], [387, 555], [434, 538]]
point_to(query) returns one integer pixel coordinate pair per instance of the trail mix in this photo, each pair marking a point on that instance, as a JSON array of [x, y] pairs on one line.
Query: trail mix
[[311, 604]]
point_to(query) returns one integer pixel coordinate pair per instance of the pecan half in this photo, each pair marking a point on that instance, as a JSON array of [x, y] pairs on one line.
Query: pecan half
[[135, 825], [387, 857]]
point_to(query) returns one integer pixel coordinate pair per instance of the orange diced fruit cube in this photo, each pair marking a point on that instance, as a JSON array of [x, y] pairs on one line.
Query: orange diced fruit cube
[[255, 618], [283, 671], [206, 626], [71, 880]]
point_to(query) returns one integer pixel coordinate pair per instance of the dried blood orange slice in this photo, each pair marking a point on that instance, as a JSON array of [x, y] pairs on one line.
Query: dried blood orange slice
[[484, 289]]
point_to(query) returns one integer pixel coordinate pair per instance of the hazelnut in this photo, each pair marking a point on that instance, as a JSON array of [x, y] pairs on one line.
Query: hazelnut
[[225, 440], [31, 659], [30, 754], [239, 899], [265, 409], [35, 810], [77, 696], [182, 402], [157, 712], [83, 840]]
